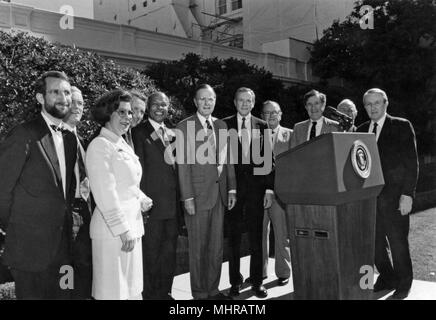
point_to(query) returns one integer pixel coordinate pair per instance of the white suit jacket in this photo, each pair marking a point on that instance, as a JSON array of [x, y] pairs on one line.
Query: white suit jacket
[[114, 174]]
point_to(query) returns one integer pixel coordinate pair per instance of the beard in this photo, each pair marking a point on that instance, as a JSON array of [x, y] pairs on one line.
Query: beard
[[56, 112]]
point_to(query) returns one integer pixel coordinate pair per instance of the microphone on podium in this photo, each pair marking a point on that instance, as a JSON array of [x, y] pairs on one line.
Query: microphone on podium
[[345, 121]]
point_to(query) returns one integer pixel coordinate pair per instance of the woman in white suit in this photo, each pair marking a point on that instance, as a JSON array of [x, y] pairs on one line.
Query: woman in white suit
[[116, 225]]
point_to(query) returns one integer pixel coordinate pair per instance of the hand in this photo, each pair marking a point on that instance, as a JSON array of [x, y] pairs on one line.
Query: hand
[[231, 201], [146, 204], [267, 200], [128, 241], [190, 206], [405, 205]]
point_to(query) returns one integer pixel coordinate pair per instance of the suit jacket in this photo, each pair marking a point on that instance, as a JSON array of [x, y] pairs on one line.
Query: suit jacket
[[398, 156], [159, 179], [283, 140], [32, 201], [301, 130], [245, 172], [204, 182]]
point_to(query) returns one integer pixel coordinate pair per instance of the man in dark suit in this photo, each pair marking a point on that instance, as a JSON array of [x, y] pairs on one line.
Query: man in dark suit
[[255, 192], [138, 108], [36, 191], [317, 124], [207, 185], [397, 148], [81, 246], [159, 181]]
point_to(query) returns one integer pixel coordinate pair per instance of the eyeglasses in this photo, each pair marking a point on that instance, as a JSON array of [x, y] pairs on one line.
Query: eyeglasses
[[124, 113], [273, 113]]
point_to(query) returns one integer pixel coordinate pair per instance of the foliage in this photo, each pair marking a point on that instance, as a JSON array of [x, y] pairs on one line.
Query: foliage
[[180, 78], [398, 55], [23, 58]]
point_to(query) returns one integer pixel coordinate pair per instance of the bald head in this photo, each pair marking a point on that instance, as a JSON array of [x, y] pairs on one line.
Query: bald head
[[348, 107]]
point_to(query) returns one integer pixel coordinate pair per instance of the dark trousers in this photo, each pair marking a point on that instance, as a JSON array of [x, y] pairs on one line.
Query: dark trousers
[[82, 264], [159, 245], [248, 212], [45, 285], [392, 231]]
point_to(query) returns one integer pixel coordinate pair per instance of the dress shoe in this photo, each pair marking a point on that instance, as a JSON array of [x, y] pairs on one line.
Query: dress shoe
[[282, 281], [220, 296], [381, 285], [260, 291], [234, 290], [400, 294]]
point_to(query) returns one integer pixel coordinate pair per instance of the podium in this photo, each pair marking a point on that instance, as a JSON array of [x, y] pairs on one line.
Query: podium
[[329, 186]]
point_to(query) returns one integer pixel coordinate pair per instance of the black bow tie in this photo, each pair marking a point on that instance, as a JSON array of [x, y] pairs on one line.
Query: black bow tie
[[58, 129]]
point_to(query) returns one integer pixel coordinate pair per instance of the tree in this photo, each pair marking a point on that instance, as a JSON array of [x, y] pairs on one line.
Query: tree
[[179, 79], [397, 55], [23, 58]]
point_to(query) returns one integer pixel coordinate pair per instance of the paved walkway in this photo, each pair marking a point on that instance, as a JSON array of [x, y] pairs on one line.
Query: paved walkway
[[421, 290]]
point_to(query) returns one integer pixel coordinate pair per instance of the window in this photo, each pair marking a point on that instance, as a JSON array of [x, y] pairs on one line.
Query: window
[[236, 4], [144, 4], [222, 7], [134, 7]]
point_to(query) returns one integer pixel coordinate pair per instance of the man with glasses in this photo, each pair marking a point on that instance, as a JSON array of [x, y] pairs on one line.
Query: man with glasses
[[159, 181], [276, 214]]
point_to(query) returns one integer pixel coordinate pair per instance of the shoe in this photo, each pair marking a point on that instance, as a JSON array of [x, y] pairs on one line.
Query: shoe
[[400, 294], [381, 285], [234, 290], [219, 296], [248, 280], [282, 281], [259, 291]]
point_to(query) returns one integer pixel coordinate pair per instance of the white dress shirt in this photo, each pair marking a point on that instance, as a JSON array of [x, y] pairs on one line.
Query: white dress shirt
[[156, 126], [58, 143], [318, 127], [380, 124]]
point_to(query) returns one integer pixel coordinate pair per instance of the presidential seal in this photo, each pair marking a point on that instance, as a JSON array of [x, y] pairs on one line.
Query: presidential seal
[[361, 159]]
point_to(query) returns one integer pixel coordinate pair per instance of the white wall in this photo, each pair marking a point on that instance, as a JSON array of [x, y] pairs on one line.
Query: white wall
[[272, 20], [82, 8]]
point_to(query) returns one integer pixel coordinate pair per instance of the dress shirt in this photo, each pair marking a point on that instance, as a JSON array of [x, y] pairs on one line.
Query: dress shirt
[[380, 124], [247, 125], [58, 143], [318, 127]]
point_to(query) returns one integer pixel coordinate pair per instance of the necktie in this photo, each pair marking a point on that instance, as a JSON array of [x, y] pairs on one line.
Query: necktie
[[211, 138], [245, 138], [374, 129], [81, 164], [164, 136], [313, 131]]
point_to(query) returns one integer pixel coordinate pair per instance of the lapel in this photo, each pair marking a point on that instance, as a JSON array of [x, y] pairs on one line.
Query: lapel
[[305, 130], [325, 126], [154, 136], [383, 138], [276, 143], [47, 144], [70, 160]]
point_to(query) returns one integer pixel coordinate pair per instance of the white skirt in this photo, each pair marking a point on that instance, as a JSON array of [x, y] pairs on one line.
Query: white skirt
[[117, 275]]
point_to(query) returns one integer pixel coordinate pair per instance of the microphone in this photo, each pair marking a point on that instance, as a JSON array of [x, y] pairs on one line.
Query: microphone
[[345, 121]]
